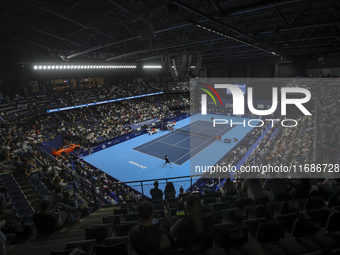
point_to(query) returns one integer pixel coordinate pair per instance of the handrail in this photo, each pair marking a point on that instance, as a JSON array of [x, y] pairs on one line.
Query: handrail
[[169, 178], [82, 181]]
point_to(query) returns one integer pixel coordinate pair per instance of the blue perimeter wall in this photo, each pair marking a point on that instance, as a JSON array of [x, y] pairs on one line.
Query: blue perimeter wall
[[124, 138]]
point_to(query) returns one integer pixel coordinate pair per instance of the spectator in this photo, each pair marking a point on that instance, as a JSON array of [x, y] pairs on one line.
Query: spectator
[[156, 193], [45, 222], [3, 250], [253, 186], [56, 197], [67, 200], [277, 189], [169, 191], [31, 173], [228, 187], [66, 185], [148, 238], [194, 232]]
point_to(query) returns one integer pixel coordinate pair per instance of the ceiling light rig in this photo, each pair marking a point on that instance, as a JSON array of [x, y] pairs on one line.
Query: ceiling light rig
[[151, 67], [235, 39], [61, 67]]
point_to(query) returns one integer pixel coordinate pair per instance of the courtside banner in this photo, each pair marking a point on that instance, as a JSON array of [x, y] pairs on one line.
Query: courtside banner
[[113, 142], [260, 128], [116, 141]]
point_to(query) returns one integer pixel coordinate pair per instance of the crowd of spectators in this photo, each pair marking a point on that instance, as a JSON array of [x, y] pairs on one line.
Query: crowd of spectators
[[107, 121], [328, 123], [279, 146]]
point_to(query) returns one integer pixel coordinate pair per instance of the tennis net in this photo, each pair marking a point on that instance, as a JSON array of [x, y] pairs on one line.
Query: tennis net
[[196, 134]]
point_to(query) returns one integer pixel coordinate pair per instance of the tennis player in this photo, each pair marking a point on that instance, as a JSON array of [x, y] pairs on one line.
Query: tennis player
[[166, 161]]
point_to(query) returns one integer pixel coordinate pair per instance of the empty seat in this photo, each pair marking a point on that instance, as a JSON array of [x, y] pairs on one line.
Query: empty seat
[[253, 224], [313, 204], [243, 202], [98, 233], [286, 209], [230, 235], [225, 199], [158, 213], [113, 218], [123, 229], [157, 202], [269, 232], [332, 202], [158, 207], [117, 240], [322, 214], [261, 201], [209, 200], [131, 217], [216, 207], [333, 222], [86, 245], [120, 249], [234, 215], [123, 211], [288, 220], [305, 227], [63, 252], [262, 211], [29, 211]]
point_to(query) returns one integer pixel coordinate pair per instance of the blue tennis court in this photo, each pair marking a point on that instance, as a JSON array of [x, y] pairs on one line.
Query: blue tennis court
[[185, 142], [128, 161]]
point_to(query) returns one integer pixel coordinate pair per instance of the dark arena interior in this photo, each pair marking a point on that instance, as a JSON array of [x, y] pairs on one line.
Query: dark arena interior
[[141, 127]]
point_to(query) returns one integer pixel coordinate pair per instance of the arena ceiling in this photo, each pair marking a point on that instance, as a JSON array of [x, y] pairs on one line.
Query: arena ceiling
[[142, 30]]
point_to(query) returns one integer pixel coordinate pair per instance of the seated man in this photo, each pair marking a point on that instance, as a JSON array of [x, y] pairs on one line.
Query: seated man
[[194, 232], [148, 238], [45, 222]]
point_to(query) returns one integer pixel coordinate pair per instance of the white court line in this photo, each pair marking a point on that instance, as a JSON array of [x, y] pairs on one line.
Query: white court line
[[170, 134], [201, 145], [155, 141], [176, 145], [182, 140], [157, 157]]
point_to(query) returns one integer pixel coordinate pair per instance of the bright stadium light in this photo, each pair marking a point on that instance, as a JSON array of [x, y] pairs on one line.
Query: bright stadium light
[[53, 67], [150, 67]]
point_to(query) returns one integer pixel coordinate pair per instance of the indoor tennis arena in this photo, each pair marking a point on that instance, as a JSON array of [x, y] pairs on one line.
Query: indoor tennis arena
[[158, 127]]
